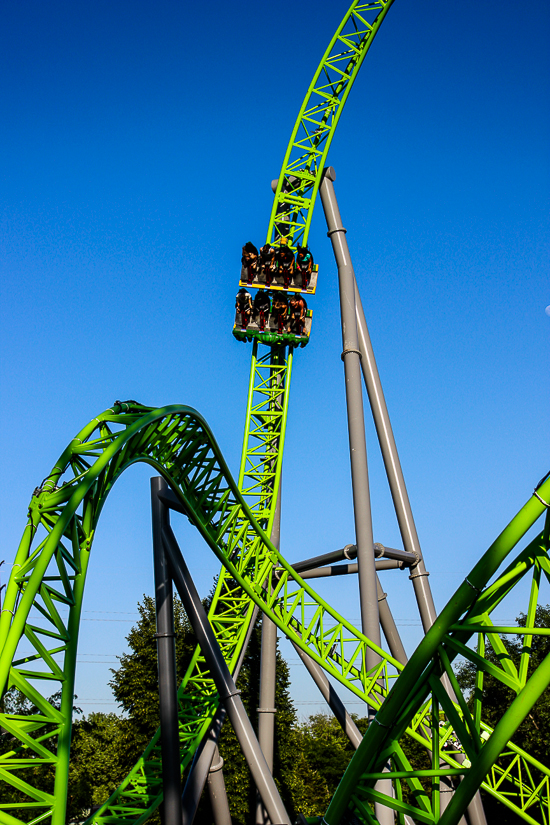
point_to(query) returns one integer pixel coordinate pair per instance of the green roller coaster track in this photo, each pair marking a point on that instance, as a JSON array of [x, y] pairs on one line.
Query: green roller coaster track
[[44, 596]]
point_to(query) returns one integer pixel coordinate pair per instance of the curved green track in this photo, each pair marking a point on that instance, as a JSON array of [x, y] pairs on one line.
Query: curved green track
[[44, 596]]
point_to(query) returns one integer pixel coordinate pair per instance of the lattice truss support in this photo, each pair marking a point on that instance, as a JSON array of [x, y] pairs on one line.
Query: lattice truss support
[[428, 706], [320, 112], [172, 442], [48, 581], [265, 427]]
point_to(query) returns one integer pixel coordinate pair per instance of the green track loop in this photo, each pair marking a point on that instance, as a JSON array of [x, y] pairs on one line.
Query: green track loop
[[177, 443]]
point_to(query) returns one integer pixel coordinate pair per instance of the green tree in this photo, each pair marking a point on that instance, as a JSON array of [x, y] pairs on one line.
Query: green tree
[[322, 753], [135, 681], [97, 761]]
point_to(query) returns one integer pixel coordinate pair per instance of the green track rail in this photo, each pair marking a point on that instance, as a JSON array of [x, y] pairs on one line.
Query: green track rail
[[311, 137], [177, 443]]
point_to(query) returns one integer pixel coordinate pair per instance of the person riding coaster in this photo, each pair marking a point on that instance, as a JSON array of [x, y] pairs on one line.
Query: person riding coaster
[[243, 304], [280, 310], [250, 261], [304, 264], [268, 262], [285, 262], [262, 308], [297, 309]]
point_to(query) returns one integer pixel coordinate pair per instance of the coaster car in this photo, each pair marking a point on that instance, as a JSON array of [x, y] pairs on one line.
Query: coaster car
[[270, 335], [259, 281]]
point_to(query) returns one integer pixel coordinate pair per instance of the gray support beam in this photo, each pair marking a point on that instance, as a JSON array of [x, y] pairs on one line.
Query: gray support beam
[[446, 793], [217, 792], [166, 652], [388, 626], [476, 811], [350, 552], [357, 441], [403, 510], [200, 767], [347, 569], [224, 682], [331, 697], [396, 480], [356, 423]]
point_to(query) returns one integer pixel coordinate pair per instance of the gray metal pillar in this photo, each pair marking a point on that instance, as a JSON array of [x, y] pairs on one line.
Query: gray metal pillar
[[446, 793], [224, 682], [268, 677], [356, 423], [351, 356], [204, 756], [166, 652], [217, 792], [331, 697], [389, 627], [200, 767], [403, 511], [476, 811], [401, 503]]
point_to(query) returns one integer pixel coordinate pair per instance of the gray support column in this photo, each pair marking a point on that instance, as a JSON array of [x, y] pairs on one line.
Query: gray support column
[[224, 682], [403, 511], [331, 697], [166, 652], [476, 811], [356, 423], [200, 767], [446, 793], [357, 441], [388, 626], [217, 792], [392, 464], [268, 677]]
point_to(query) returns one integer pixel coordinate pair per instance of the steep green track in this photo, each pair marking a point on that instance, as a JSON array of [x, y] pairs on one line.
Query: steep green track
[[311, 137]]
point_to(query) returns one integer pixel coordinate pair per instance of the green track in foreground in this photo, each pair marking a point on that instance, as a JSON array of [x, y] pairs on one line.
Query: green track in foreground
[[177, 443]]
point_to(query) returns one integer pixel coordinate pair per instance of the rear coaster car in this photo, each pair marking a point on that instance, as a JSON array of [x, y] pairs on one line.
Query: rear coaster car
[[270, 334]]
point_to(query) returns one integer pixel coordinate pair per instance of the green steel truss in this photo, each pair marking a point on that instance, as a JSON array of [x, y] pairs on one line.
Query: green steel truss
[[44, 601], [231, 611], [264, 433], [472, 751], [317, 120]]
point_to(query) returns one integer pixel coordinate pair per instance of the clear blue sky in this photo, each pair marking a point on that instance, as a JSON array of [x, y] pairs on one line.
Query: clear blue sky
[[138, 144]]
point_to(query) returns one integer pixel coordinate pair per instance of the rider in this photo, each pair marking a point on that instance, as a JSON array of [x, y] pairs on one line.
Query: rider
[[268, 262], [250, 261], [285, 262], [280, 310], [297, 309], [304, 264], [262, 307], [243, 304]]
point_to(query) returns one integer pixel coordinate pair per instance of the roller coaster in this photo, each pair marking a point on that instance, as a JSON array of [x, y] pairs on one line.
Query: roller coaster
[[418, 699]]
